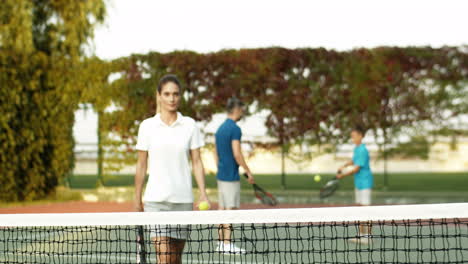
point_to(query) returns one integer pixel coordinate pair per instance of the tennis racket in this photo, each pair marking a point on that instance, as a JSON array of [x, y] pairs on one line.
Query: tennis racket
[[262, 195], [329, 188], [141, 249]]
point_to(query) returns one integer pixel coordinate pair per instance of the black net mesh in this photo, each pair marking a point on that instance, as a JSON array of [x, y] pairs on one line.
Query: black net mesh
[[411, 241]]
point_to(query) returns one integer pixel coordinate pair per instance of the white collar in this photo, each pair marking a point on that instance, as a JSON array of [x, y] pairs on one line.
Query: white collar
[[178, 121]]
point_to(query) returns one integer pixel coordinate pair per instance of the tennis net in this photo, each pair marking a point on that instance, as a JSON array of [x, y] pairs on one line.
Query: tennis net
[[434, 233]]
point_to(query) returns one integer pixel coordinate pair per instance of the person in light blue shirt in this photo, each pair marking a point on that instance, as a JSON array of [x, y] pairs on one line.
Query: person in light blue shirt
[[363, 178]]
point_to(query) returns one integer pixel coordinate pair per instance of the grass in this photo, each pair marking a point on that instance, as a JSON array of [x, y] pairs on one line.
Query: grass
[[298, 185], [90, 181], [61, 194], [397, 182], [408, 184]]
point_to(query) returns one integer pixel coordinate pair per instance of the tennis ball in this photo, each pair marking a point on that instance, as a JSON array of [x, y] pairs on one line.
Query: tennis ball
[[317, 178], [203, 206]]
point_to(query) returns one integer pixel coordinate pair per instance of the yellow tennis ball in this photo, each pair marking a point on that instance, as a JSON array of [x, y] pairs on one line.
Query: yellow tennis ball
[[317, 178], [204, 206]]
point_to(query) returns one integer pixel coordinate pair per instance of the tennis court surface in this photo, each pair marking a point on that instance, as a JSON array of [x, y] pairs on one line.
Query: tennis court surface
[[433, 233]]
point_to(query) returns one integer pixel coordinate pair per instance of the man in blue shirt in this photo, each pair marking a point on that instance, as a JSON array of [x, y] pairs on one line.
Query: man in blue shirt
[[363, 178], [228, 156]]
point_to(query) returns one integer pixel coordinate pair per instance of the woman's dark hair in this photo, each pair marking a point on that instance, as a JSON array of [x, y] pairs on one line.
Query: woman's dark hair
[[232, 103], [360, 129], [167, 79]]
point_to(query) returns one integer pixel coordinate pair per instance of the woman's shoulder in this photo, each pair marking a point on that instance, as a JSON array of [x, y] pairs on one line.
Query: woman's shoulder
[[189, 121], [147, 122]]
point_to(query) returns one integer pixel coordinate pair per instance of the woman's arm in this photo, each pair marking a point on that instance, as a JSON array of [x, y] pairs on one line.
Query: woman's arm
[[199, 172], [142, 165]]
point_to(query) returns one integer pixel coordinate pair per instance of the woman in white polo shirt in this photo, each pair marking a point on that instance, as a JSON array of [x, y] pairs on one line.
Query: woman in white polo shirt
[[165, 143]]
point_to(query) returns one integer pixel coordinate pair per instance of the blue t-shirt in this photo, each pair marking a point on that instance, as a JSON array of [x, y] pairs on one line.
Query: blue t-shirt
[[228, 169], [363, 179]]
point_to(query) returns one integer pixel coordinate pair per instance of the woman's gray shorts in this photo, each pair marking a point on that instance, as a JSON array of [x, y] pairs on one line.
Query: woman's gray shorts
[[173, 231]]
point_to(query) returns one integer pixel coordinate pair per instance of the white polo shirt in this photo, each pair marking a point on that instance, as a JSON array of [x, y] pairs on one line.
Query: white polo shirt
[[170, 178]]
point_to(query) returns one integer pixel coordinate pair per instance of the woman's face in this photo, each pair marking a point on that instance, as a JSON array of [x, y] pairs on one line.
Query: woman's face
[[169, 97]]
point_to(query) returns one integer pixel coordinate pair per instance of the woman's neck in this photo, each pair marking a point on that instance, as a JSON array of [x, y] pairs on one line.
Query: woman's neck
[[168, 117]]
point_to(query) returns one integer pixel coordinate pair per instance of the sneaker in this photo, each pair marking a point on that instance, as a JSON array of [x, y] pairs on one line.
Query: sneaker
[[229, 249]]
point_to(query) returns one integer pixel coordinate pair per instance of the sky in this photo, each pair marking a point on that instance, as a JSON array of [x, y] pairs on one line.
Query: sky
[[210, 25], [140, 26]]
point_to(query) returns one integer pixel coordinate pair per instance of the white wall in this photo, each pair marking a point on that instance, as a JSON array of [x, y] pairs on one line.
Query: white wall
[[441, 159]]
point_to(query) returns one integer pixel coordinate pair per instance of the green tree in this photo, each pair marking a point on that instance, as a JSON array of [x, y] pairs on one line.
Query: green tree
[[313, 97], [42, 45]]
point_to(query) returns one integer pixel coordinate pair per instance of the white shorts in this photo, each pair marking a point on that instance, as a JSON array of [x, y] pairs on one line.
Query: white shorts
[[363, 197], [229, 194]]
